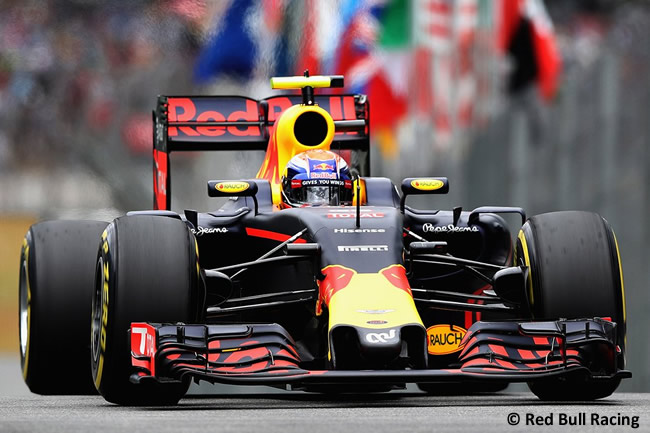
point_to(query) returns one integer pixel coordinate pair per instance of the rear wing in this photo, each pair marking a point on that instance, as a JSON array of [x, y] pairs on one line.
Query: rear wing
[[200, 123]]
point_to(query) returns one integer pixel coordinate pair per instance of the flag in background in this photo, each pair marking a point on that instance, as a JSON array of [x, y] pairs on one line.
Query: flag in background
[[309, 54], [526, 33], [445, 35], [231, 51], [430, 64], [249, 40], [374, 55], [319, 31]]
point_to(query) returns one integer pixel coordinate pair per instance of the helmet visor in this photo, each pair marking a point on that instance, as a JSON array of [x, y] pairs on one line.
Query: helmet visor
[[322, 195]]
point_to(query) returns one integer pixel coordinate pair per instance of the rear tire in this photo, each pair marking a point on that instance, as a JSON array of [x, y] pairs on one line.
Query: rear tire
[[575, 272], [147, 271], [57, 274]]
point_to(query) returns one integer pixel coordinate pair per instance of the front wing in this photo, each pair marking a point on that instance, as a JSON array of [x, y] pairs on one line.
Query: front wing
[[265, 354]]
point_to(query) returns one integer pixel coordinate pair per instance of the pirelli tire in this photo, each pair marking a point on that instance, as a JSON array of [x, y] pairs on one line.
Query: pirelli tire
[[574, 272], [147, 271], [57, 272]]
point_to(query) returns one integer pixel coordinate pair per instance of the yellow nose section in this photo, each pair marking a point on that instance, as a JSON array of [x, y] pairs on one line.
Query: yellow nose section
[[368, 300]]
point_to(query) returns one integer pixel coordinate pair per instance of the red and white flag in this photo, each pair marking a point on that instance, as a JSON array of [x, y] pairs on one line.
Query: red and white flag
[[526, 32]]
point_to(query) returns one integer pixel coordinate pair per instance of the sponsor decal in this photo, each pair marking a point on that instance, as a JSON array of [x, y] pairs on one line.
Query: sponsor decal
[[231, 187], [99, 351], [185, 110], [445, 339], [105, 287], [359, 230], [337, 278], [200, 231], [323, 166], [340, 108], [427, 184], [143, 347], [396, 275], [147, 336], [430, 228], [160, 131], [161, 180], [376, 322], [380, 337], [375, 311], [203, 110], [362, 248], [354, 215], [323, 182], [322, 175]]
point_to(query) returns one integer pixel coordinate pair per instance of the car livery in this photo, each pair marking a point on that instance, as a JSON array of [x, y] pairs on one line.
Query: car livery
[[368, 296]]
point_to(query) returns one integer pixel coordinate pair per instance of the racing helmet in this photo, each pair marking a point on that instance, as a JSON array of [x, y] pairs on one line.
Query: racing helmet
[[317, 178]]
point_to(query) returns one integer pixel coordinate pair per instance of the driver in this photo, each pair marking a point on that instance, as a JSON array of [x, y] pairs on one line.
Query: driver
[[317, 178]]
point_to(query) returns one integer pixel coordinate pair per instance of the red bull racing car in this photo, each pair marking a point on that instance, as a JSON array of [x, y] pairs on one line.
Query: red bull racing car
[[315, 275]]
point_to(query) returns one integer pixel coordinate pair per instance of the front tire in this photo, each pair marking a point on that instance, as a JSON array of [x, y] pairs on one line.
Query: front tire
[[57, 273], [147, 271], [574, 272]]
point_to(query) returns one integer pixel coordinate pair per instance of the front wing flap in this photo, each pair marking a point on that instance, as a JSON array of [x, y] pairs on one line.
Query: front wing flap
[[265, 354]]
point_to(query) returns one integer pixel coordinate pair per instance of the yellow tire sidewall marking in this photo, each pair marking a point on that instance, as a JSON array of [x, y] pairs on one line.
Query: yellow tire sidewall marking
[[524, 247], [29, 301], [620, 273], [104, 320]]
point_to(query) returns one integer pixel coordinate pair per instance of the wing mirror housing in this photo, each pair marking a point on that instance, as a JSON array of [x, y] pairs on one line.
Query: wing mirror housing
[[422, 185], [218, 283], [510, 285], [233, 188], [308, 249], [417, 248]]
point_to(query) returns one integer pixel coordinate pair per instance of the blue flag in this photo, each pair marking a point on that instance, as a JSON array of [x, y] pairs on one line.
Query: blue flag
[[232, 50]]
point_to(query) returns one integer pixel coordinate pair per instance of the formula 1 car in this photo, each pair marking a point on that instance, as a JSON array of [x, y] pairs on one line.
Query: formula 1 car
[[365, 296]]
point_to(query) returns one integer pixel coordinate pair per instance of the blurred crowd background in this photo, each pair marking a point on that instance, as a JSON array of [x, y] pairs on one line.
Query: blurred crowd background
[[544, 105]]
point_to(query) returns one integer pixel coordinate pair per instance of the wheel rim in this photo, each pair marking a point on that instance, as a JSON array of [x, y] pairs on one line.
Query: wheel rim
[[24, 309], [97, 310]]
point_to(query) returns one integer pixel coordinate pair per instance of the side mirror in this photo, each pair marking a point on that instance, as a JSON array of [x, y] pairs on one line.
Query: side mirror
[[428, 248], [423, 185], [233, 188], [218, 283], [510, 285], [309, 249]]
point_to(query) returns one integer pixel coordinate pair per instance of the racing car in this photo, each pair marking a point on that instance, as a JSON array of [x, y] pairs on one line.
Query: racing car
[[316, 276]]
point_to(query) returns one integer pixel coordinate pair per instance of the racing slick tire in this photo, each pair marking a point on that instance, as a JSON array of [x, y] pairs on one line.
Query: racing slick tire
[[574, 272], [147, 271], [57, 272]]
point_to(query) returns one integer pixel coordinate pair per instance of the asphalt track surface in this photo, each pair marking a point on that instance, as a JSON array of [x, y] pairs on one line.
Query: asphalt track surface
[[228, 411]]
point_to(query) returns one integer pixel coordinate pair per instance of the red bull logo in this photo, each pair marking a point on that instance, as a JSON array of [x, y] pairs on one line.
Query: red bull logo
[[337, 277], [323, 166]]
